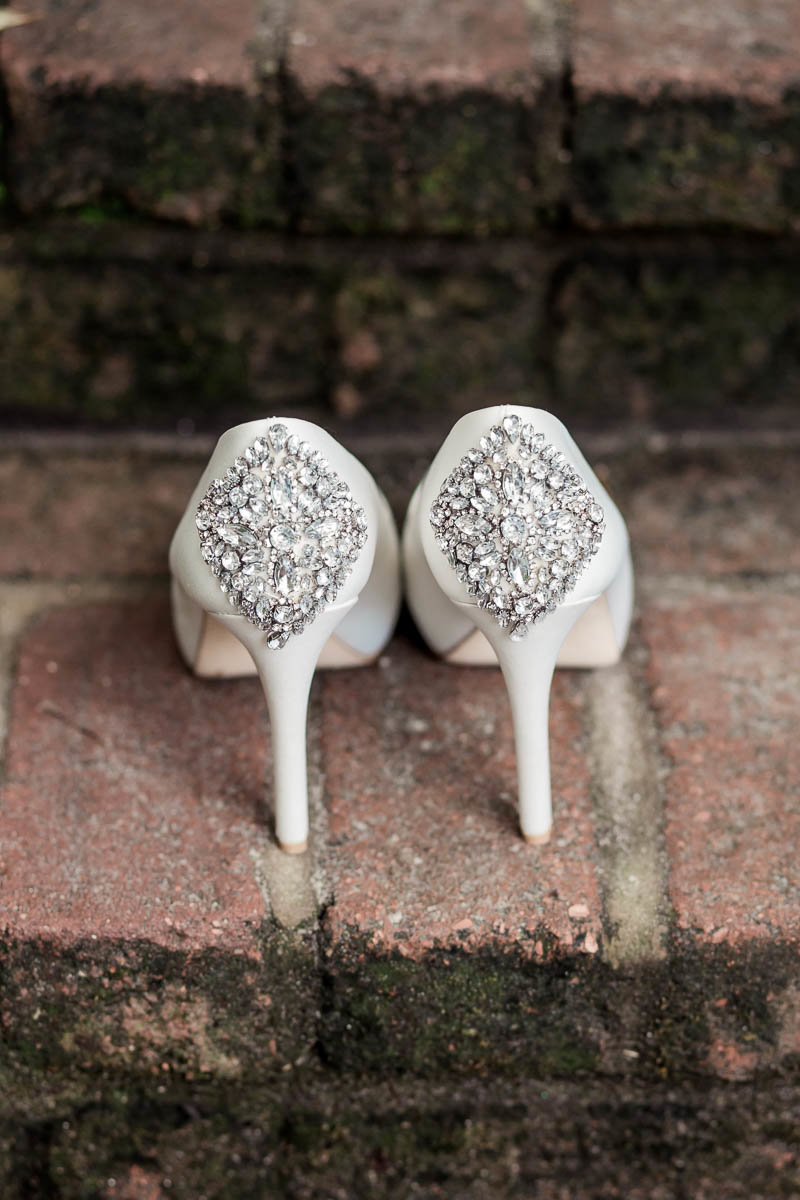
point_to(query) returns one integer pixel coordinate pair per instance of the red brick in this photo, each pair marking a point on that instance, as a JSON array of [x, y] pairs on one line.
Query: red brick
[[639, 47], [155, 105], [424, 844], [134, 794], [724, 682], [78, 515], [157, 44], [452, 46], [686, 114], [429, 118], [711, 513]]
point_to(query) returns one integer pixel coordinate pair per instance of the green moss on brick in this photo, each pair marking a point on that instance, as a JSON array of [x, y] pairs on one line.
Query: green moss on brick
[[689, 163], [445, 339], [460, 1013], [144, 1011], [110, 341], [428, 163], [196, 155], [670, 334]]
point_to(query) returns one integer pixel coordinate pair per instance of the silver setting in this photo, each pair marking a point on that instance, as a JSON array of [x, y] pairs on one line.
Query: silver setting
[[281, 532], [518, 525]]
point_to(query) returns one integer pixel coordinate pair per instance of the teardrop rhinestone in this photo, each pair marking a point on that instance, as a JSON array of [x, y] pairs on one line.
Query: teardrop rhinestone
[[556, 519], [325, 527], [511, 425], [282, 537], [278, 435]]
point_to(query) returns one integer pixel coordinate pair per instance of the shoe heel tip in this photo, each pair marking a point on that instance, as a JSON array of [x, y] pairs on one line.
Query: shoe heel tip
[[293, 847], [537, 839]]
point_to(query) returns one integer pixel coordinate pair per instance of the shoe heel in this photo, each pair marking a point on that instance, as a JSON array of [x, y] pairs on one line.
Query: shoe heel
[[286, 677], [285, 560], [527, 668], [509, 494]]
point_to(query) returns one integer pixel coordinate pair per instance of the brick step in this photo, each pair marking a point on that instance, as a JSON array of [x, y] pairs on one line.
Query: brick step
[[117, 323], [364, 118], [151, 925], [316, 1135]]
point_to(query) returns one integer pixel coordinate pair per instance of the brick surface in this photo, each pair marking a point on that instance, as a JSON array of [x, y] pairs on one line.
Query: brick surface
[[134, 798], [724, 682], [138, 341], [680, 333], [436, 118], [153, 106], [710, 513], [686, 115], [74, 515], [424, 843], [114, 324], [704, 512]]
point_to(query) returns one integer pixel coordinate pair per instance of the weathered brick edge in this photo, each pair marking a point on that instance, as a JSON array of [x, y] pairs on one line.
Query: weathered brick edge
[[346, 138]]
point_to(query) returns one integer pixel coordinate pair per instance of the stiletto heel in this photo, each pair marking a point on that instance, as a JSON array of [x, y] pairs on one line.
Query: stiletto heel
[[286, 559], [515, 555]]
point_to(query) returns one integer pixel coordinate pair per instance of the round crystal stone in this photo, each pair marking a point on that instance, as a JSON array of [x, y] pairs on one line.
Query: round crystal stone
[[282, 537], [514, 529]]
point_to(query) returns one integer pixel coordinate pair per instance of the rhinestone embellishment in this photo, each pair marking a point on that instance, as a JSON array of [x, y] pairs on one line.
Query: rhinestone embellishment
[[281, 532], [517, 524]]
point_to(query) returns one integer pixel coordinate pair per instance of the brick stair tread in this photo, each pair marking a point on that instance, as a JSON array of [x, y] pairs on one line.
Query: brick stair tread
[[133, 803], [373, 119]]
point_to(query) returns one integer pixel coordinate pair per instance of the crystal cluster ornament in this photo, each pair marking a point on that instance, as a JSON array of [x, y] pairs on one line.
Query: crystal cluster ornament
[[281, 532], [517, 524]]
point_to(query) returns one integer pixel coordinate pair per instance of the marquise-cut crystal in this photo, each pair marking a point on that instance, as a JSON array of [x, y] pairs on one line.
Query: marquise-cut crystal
[[281, 532], [513, 483], [521, 549]]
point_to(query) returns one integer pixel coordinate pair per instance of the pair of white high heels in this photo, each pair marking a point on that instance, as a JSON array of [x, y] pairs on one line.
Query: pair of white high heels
[[287, 559]]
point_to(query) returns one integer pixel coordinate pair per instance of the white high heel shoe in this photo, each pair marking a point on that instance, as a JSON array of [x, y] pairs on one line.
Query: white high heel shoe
[[286, 559], [514, 553]]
